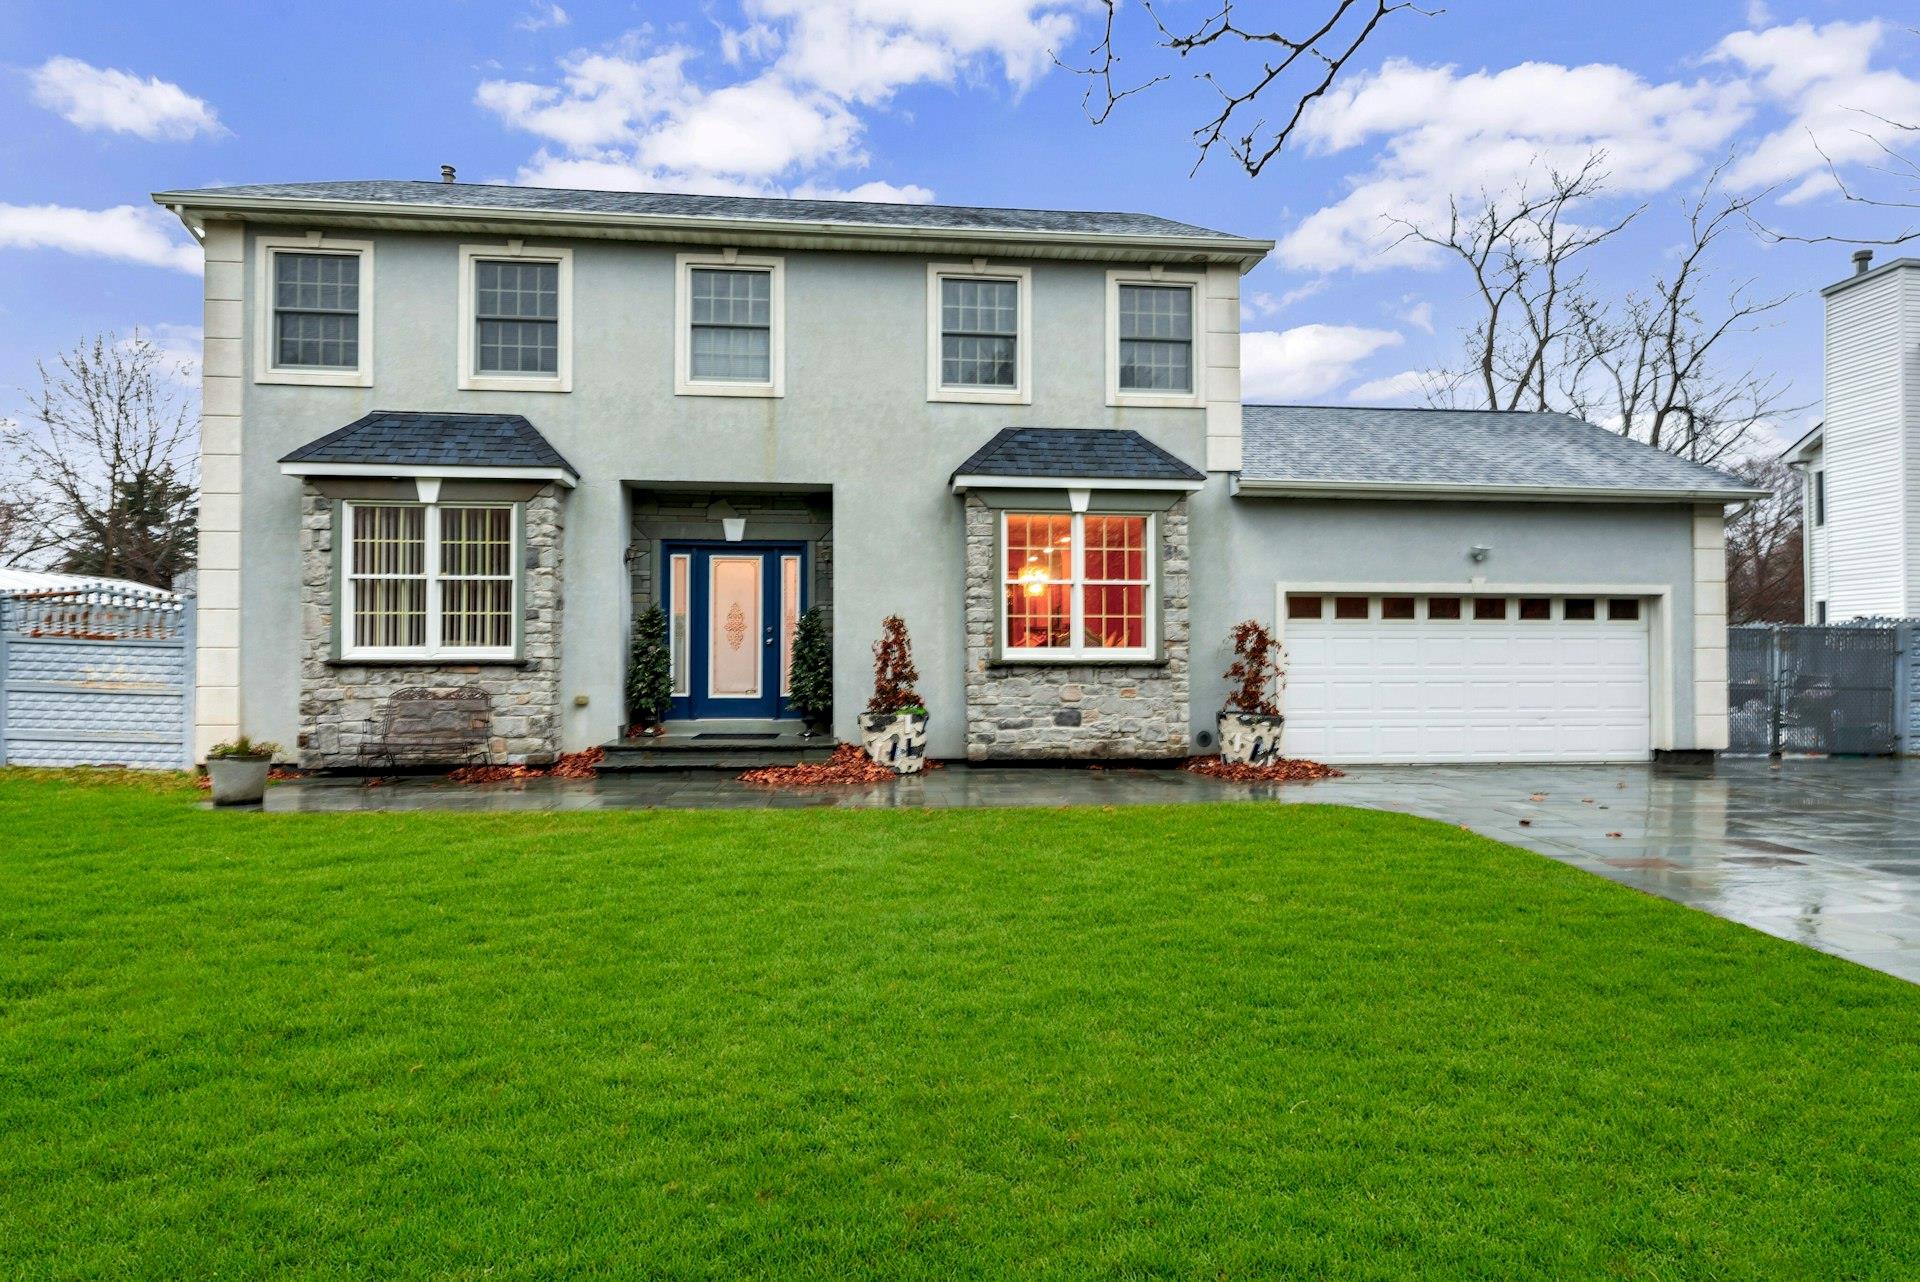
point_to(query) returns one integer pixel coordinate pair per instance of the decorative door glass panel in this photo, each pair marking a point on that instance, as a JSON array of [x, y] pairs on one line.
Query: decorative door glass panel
[[789, 618], [733, 627], [677, 616]]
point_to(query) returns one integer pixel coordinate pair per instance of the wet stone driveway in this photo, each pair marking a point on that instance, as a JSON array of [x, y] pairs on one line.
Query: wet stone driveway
[[1822, 852]]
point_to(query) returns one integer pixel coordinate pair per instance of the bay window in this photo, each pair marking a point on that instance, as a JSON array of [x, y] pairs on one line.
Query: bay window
[[1077, 586], [429, 581]]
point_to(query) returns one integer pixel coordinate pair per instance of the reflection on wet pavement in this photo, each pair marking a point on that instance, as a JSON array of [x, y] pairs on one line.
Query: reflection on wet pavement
[[1823, 852]]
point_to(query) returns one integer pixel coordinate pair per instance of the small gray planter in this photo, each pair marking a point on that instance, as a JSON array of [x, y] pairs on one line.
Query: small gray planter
[[896, 740], [1250, 738], [238, 781]]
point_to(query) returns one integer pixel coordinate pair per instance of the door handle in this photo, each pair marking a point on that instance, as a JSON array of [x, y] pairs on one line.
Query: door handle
[[769, 637]]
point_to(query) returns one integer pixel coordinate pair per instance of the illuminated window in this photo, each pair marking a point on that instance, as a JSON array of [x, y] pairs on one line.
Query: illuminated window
[[1078, 585]]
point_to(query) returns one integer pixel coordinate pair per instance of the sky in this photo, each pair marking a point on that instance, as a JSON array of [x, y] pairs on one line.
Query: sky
[[963, 102]]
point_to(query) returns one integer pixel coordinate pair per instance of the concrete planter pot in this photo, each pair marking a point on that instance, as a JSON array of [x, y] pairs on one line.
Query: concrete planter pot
[[896, 740], [1250, 738], [238, 781]]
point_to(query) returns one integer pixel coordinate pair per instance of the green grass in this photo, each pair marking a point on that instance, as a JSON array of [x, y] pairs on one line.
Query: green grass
[[1215, 1041]]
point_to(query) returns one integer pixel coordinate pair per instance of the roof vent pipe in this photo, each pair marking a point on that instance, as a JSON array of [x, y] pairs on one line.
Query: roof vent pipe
[[1862, 259], [446, 176]]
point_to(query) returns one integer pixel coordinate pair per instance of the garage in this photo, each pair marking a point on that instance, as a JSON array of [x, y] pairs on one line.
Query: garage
[[1383, 677]]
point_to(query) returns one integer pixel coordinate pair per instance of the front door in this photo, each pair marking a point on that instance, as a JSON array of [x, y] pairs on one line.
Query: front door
[[732, 609]]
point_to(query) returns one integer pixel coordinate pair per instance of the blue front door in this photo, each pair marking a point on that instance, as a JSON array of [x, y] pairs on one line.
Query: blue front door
[[732, 609]]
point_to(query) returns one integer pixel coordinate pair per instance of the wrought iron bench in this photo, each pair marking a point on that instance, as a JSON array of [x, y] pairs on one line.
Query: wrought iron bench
[[425, 726]]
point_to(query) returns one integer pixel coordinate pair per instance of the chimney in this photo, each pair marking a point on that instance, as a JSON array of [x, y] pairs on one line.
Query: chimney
[[1862, 260], [446, 176]]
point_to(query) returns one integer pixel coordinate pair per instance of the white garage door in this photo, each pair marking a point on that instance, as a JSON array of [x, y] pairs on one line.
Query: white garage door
[[1387, 678]]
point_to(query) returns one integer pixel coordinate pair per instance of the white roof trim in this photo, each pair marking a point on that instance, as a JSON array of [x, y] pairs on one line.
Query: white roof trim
[[432, 471], [1244, 487], [1799, 451], [987, 481], [188, 206]]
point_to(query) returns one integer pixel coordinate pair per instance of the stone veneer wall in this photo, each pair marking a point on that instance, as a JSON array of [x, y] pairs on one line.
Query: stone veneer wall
[[342, 704], [1080, 710]]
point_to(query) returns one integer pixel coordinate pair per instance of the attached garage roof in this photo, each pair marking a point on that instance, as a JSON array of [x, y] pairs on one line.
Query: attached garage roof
[[416, 443], [1329, 450], [1067, 455]]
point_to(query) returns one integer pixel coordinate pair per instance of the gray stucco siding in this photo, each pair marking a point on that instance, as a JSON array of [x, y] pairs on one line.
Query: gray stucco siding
[[855, 421], [1244, 549]]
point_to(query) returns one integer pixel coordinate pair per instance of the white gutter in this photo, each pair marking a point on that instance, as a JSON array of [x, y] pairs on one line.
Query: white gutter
[[1429, 490], [984, 481], [464, 472], [681, 227]]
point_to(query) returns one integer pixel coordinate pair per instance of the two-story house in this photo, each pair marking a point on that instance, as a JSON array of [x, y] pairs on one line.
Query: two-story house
[[1861, 466], [458, 435]]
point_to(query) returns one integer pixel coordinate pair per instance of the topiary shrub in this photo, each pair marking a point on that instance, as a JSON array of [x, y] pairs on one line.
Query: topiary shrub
[[812, 680], [893, 671], [649, 670]]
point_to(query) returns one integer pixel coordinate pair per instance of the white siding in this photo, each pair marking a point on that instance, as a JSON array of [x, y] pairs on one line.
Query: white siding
[[1818, 586], [1866, 450], [1910, 409]]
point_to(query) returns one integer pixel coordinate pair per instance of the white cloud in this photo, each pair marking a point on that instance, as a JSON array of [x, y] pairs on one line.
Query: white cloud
[[1307, 360], [794, 113], [876, 192], [1432, 125], [542, 15], [1824, 78], [1406, 387], [132, 233], [180, 347], [1759, 13], [1417, 313], [101, 98]]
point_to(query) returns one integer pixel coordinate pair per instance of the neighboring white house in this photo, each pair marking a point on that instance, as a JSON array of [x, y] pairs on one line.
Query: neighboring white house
[[1862, 464]]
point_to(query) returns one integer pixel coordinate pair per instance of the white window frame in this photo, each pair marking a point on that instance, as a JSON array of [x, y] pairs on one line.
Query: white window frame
[[684, 384], [264, 368], [1021, 393], [469, 377], [432, 650], [1080, 651], [1195, 284]]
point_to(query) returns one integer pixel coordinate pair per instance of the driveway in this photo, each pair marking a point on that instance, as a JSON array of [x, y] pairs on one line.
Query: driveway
[[1822, 852]]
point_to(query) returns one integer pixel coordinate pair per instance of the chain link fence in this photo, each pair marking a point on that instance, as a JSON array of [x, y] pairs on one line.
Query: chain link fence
[[1846, 689]]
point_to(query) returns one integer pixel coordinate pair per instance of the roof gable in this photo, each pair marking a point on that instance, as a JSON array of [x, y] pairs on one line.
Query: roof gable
[[419, 440], [1066, 454]]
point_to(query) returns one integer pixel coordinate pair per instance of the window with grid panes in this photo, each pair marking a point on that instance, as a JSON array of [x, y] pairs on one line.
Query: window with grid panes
[[516, 317], [1156, 338], [316, 310], [429, 580], [1077, 585], [732, 320], [979, 332]]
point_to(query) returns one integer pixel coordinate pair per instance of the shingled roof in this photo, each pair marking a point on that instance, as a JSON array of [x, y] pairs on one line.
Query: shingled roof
[[414, 440], [852, 213], [1331, 449], [1074, 453]]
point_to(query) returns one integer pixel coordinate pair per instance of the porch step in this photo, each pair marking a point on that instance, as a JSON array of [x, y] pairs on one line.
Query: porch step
[[717, 746]]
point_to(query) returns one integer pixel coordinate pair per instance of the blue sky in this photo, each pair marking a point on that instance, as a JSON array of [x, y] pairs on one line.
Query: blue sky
[[939, 99]]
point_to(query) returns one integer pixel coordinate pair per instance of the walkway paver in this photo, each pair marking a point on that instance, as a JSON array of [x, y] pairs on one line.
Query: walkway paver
[[1822, 852]]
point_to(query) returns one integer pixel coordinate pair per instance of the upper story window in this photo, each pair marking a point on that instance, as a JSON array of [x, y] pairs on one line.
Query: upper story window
[[729, 332], [978, 333], [516, 326], [1153, 336], [314, 323], [1077, 585], [424, 581]]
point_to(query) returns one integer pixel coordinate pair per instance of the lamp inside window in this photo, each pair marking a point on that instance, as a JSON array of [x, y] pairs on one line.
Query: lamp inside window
[[1077, 585]]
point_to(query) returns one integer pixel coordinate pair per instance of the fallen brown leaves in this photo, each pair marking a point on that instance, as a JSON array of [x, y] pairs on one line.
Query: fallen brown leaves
[[1286, 770], [571, 765], [848, 765]]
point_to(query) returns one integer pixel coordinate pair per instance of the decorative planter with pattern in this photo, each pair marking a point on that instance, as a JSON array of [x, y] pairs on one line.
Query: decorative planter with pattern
[[896, 740], [1250, 738], [238, 781]]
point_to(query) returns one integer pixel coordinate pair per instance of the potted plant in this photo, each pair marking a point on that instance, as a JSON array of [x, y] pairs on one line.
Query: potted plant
[[238, 771], [1250, 723], [649, 672], [812, 695], [894, 728]]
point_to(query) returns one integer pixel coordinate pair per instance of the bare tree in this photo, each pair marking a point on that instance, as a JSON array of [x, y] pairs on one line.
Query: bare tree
[[109, 461], [1523, 251], [1895, 164], [1651, 364], [1765, 570], [1293, 67], [23, 527]]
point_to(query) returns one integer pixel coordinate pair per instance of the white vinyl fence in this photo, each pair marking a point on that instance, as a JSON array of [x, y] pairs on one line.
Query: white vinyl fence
[[96, 677]]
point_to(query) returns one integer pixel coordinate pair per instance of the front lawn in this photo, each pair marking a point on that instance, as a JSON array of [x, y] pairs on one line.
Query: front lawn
[[1207, 1041]]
